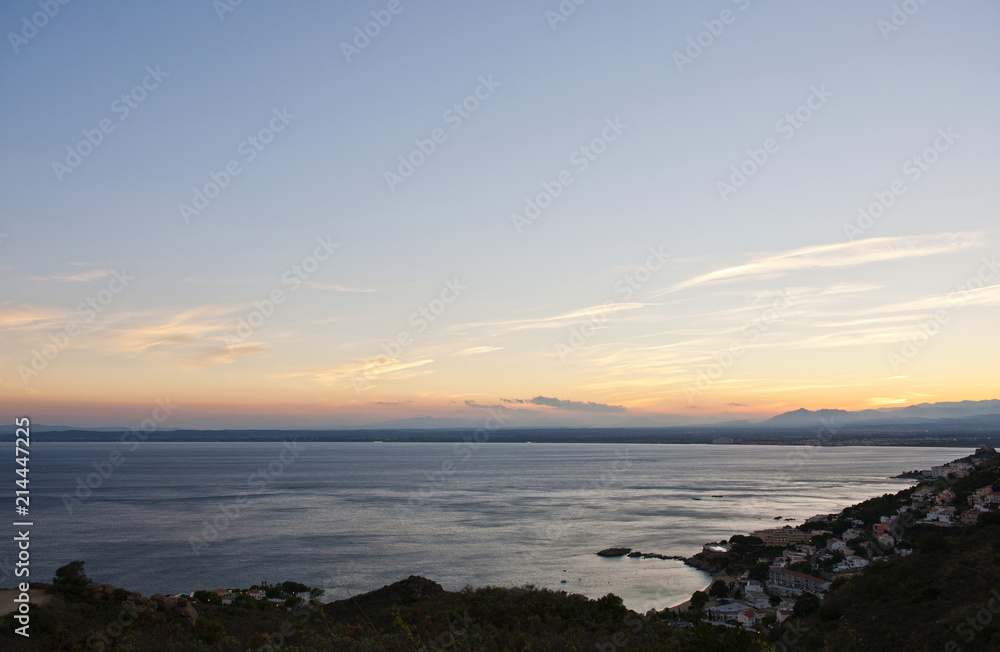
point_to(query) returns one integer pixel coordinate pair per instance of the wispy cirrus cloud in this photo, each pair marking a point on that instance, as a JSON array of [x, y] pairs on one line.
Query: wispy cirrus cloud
[[336, 287], [213, 355], [841, 254], [345, 373], [264, 280], [554, 321], [74, 277], [31, 317], [478, 350], [162, 329]]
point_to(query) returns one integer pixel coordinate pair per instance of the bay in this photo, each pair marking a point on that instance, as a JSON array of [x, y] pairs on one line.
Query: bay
[[352, 517]]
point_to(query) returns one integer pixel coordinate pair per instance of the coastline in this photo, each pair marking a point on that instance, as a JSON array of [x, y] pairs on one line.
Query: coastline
[[724, 574], [915, 478], [720, 575]]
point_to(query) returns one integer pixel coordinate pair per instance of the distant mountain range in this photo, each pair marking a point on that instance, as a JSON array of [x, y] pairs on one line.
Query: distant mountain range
[[972, 414]]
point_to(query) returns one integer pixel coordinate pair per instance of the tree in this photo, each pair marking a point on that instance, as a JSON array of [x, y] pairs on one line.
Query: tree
[[769, 620], [760, 571], [613, 605], [245, 601], [294, 587], [802, 567], [209, 631], [207, 597], [71, 579], [719, 589], [806, 605], [698, 600]]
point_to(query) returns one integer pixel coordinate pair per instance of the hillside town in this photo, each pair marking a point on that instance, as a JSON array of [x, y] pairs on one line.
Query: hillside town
[[764, 578]]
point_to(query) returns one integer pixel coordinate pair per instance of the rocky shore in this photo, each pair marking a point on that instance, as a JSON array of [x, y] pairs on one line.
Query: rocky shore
[[635, 554]]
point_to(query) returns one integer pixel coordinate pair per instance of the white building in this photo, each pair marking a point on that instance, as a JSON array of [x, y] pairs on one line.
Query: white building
[[726, 612], [750, 618], [941, 515]]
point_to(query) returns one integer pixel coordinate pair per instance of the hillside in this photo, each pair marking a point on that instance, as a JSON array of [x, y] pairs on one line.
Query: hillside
[[944, 595], [413, 614], [929, 600]]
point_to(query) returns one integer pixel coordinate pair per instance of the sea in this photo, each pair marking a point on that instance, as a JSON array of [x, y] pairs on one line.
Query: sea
[[161, 517]]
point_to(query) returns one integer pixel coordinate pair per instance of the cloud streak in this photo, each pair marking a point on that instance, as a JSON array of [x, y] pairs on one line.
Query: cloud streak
[[550, 322], [347, 372], [561, 404], [75, 277], [843, 254]]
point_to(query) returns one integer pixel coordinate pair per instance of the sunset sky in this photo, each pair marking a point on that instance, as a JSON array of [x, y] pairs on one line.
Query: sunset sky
[[641, 213]]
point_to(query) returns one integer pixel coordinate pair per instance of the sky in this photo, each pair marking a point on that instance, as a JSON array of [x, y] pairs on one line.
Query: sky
[[324, 214]]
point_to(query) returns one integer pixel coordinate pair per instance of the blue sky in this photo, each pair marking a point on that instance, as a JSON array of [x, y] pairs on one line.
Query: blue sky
[[324, 356]]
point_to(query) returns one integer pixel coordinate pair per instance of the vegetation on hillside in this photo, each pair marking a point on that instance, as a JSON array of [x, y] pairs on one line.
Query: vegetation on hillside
[[946, 593], [413, 614]]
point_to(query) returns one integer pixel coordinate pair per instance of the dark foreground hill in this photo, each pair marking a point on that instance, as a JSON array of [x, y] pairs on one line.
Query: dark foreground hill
[[413, 614]]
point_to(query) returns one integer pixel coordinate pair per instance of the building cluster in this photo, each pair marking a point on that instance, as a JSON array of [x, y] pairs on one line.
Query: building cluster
[[227, 597], [813, 557]]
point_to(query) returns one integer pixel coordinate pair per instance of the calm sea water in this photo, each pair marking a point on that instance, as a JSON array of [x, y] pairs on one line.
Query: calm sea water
[[351, 517]]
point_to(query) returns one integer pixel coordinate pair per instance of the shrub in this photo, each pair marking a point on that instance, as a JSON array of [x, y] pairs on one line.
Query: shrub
[[70, 579], [933, 542], [806, 605]]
